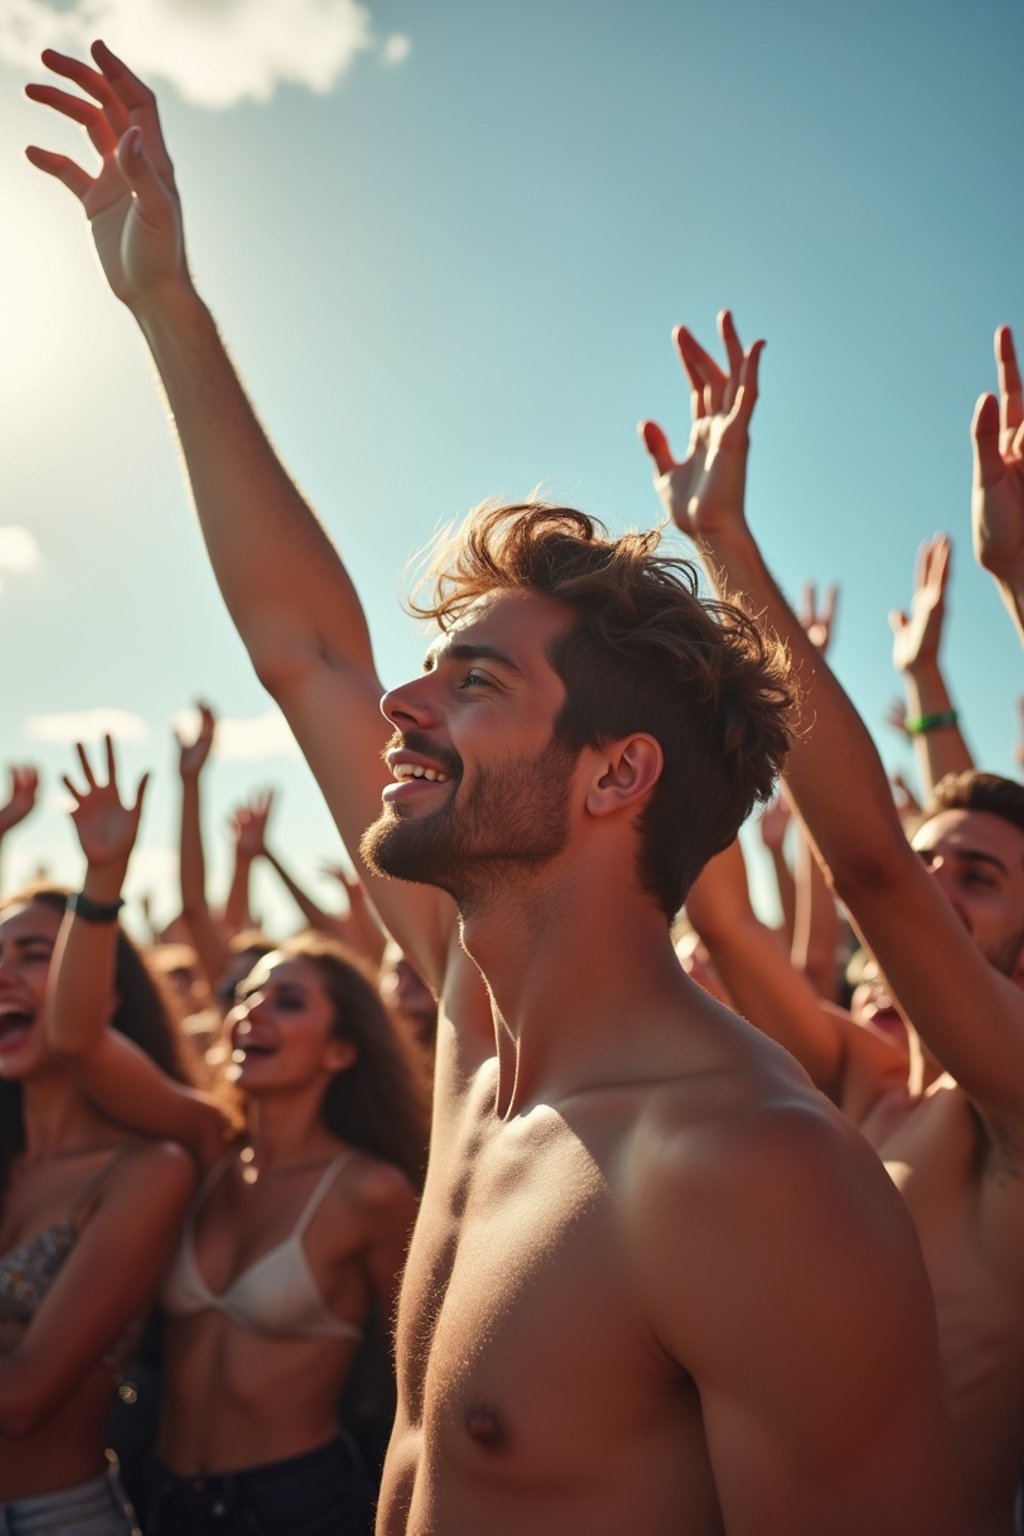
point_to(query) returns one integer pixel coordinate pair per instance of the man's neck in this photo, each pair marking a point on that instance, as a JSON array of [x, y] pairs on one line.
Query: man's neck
[[573, 968]]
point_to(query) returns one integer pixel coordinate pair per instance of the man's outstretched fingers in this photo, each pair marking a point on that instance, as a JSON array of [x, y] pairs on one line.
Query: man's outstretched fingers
[[91, 82], [74, 178], [731, 342], [130, 91], [985, 433], [656, 443], [1010, 399], [85, 112], [746, 395]]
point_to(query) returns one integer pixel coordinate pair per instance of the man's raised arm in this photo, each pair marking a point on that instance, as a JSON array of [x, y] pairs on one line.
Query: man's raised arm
[[288, 592], [971, 1016]]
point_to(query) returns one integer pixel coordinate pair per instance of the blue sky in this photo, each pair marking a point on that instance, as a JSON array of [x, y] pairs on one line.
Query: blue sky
[[454, 273]]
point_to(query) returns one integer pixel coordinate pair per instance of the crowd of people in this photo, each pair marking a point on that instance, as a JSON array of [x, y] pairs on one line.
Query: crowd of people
[[544, 1188]]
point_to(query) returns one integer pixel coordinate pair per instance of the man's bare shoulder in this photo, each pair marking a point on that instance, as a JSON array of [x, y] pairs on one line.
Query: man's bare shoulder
[[755, 1171]]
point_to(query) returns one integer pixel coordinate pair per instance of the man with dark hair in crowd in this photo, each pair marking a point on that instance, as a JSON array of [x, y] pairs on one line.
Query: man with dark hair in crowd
[[944, 916], [643, 1236]]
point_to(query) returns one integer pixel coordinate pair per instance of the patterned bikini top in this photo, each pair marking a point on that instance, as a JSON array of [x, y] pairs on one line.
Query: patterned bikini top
[[28, 1271]]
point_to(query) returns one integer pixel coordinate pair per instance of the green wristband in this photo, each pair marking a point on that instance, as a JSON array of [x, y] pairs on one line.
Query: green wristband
[[922, 724]]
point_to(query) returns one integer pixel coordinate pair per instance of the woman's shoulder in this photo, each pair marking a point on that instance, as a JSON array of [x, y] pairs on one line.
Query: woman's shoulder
[[374, 1185], [158, 1166]]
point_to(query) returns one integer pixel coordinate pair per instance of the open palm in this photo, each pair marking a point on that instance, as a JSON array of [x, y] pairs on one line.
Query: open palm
[[132, 203], [106, 827], [703, 493]]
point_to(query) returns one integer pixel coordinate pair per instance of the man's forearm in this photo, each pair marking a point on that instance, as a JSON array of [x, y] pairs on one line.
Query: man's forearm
[[278, 571]]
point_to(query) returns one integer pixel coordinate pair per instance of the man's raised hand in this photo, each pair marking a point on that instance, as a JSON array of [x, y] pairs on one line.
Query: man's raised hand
[[106, 827], [132, 203], [997, 504], [703, 492]]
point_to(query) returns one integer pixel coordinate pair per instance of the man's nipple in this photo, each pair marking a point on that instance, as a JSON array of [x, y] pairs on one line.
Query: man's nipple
[[484, 1428]]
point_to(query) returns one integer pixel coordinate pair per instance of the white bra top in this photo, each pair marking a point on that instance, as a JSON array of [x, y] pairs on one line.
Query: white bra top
[[277, 1295]]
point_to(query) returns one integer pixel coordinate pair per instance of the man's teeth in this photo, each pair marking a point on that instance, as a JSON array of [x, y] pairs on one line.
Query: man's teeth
[[417, 771]]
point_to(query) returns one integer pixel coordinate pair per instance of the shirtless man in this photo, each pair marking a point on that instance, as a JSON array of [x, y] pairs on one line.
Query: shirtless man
[[657, 1284], [945, 919]]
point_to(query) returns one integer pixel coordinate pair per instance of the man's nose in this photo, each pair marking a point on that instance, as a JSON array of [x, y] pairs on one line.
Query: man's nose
[[411, 703]]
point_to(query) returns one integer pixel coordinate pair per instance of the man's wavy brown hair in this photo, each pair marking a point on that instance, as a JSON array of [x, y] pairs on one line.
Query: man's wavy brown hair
[[645, 653]]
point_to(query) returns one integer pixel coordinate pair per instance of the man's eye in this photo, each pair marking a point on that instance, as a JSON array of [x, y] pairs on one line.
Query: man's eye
[[475, 680]]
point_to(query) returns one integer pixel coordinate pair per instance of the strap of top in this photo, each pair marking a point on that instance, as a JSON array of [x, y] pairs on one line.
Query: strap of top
[[98, 1179], [323, 1184]]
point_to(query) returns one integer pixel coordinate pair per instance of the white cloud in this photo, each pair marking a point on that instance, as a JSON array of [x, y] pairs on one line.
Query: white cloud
[[245, 741], [216, 52], [19, 551], [396, 48], [154, 870], [86, 725]]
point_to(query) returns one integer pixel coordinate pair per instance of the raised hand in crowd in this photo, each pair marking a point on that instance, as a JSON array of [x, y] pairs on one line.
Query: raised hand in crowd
[[905, 799], [193, 753], [22, 799], [997, 501], [896, 718], [704, 491], [931, 721], [819, 623], [205, 932], [247, 825], [360, 925], [106, 827], [20, 802]]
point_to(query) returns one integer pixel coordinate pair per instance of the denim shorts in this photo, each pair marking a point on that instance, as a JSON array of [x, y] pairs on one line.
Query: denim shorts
[[322, 1493], [96, 1508]]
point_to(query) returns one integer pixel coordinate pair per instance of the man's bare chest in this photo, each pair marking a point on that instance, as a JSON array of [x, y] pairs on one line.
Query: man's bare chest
[[517, 1306]]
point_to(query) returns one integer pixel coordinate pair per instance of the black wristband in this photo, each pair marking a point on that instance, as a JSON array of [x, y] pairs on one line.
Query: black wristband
[[94, 911]]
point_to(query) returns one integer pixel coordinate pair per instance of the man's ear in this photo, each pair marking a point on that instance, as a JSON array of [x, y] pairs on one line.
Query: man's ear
[[624, 775]]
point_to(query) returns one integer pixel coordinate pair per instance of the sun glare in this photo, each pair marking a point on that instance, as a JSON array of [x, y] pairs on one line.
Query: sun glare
[[39, 277]]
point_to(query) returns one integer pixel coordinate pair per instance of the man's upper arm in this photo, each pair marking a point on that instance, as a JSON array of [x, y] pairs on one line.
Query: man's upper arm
[[334, 711], [790, 1287]]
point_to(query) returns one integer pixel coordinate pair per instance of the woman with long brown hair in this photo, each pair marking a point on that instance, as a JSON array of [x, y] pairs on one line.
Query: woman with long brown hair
[[298, 1229], [89, 1215]]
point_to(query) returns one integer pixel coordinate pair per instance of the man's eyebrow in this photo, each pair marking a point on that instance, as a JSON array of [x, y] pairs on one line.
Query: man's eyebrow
[[469, 651], [974, 855]]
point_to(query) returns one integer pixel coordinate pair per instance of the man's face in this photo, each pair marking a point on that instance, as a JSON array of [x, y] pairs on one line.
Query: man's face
[[978, 859], [480, 787]]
